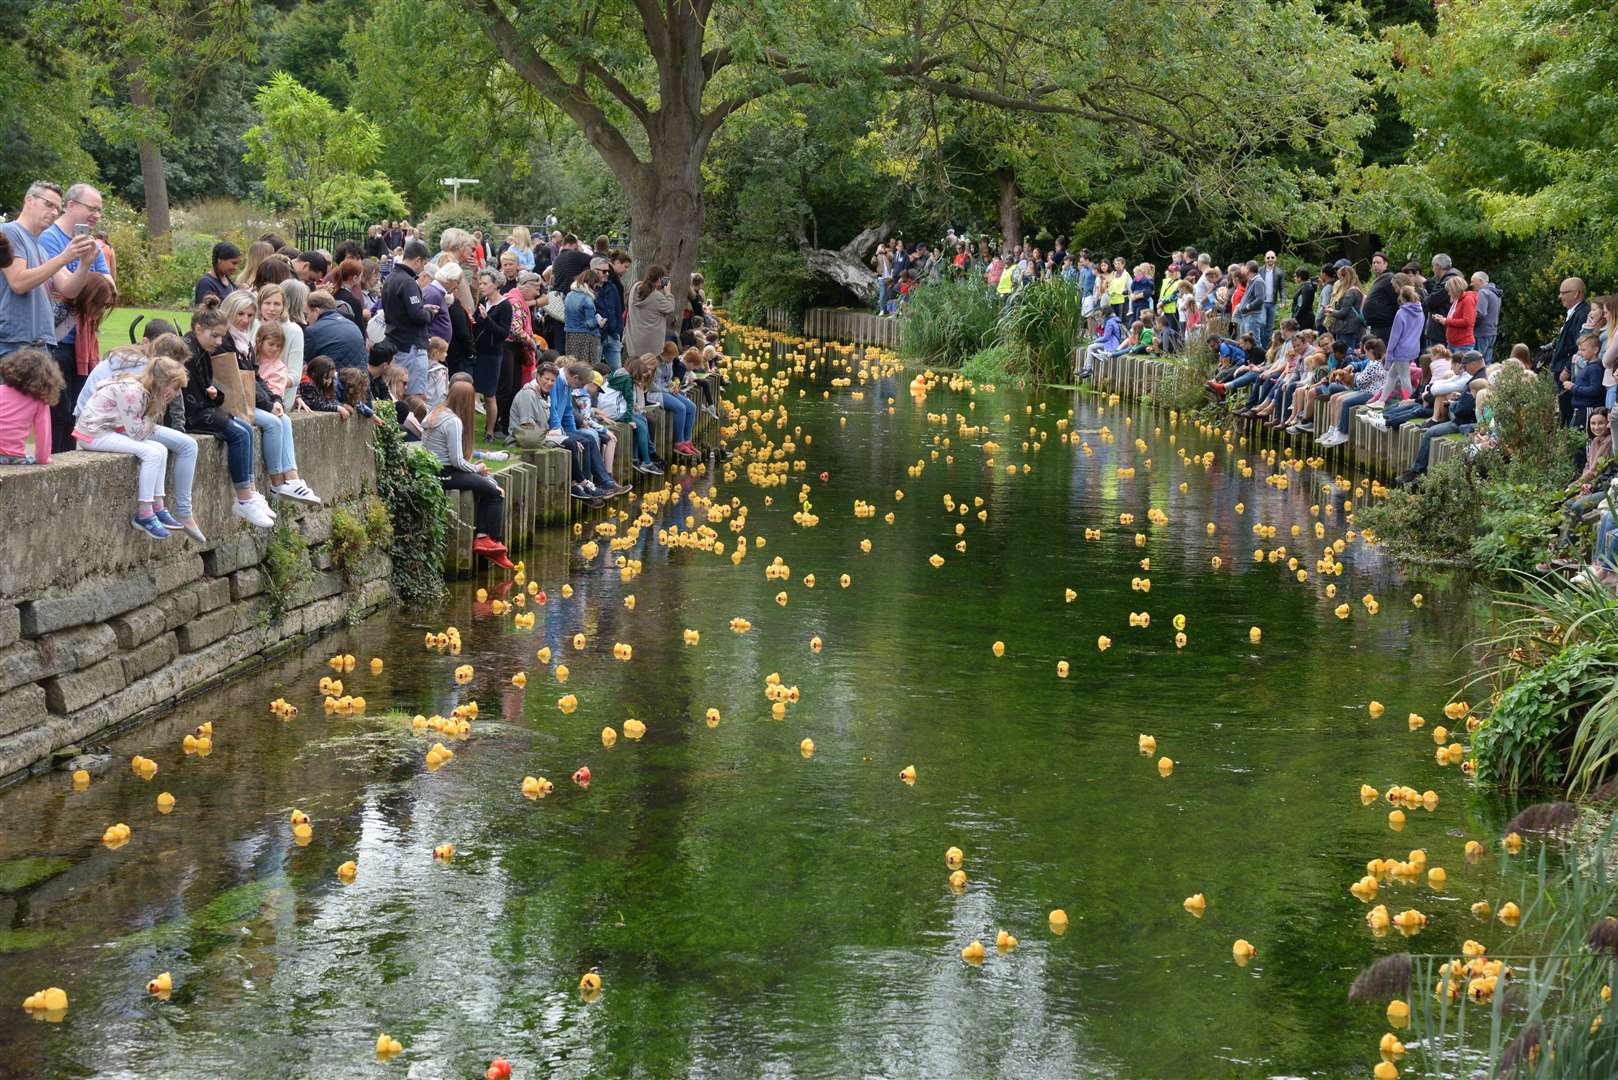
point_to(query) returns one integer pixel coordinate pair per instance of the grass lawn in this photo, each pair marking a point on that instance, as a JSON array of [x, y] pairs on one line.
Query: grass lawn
[[115, 327]]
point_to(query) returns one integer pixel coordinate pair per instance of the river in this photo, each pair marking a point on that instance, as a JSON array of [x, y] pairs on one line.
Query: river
[[753, 911]]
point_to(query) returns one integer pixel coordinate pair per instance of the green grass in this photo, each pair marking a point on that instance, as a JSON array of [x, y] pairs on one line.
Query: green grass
[[115, 327]]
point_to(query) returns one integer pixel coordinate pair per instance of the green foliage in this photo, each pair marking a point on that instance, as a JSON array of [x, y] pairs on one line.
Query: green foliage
[[468, 214], [288, 568], [305, 144], [36, 93], [1184, 387], [948, 321], [1524, 741], [360, 198], [1516, 527], [1437, 521], [1041, 327], [352, 538], [991, 365], [153, 273], [407, 484]]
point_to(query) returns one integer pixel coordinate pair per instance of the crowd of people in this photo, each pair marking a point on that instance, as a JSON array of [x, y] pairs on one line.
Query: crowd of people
[[1414, 345], [551, 342]]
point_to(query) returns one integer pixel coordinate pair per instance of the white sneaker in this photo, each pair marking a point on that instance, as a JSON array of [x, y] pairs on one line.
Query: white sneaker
[[477, 405], [253, 513], [297, 491], [263, 504]]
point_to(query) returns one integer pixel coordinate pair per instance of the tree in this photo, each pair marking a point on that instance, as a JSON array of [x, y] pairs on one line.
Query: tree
[[1509, 169], [650, 85], [305, 144], [150, 56]]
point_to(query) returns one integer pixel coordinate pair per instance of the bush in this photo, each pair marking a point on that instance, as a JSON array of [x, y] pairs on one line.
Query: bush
[[1042, 327], [948, 322], [288, 567], [468, 214], [1517, 526], [418, 510], [1524, 741], [366, 199], [991, 365], [1438, 521]]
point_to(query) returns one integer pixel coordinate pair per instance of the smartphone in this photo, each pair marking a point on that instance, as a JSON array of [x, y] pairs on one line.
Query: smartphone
[[81, 230]]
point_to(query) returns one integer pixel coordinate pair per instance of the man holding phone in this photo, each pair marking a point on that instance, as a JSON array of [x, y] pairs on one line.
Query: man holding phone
[[81, 211], [26, 317]]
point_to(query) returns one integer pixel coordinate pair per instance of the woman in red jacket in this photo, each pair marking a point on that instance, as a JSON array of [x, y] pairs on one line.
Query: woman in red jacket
[[1463, 313]]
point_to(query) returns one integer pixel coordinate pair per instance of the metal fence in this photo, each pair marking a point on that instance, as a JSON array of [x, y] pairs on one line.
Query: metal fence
[[314, 234]]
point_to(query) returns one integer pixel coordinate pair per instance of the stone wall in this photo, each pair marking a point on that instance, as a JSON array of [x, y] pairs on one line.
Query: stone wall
[[101, 626]]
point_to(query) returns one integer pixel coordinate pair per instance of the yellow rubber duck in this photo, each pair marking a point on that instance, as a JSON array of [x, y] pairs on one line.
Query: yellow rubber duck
[[1165, 766], [807, 748], [845, 581], [347, 872], [536, 787], [1474, 851], [953, 857], [387, 1046], [998, 648], [589, 983], [163, 984], [1148, 745], [1255, 635], [1375, 709], [1510, 914], [691, 637], [1481, 910], [973, 953], [1398, 1013], [712, 717], [1512, 843], [81, 779], [444, 852], [1377, 918], [1365, 889], [608, 736], [561, 672], [1196, 904], [165, 802], [1385, 1070], [1061, 669], [1396, 820], [908, 774], [520, 679], [1004, 942], [1242, 951], [957, 881], [1103, 643], [567, 703], [1058, 921]]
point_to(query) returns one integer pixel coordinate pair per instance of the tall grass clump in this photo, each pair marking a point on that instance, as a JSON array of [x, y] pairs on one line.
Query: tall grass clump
[[947, 322], [1041, 328], [1545, 1014]]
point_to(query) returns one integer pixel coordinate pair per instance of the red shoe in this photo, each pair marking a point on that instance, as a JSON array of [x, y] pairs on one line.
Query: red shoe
[[687, 448], [493, 550]]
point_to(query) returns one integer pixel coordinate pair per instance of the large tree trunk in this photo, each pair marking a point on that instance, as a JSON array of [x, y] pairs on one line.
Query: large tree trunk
[[1010, 212], [152, 178], [157, 189], [666, 209]]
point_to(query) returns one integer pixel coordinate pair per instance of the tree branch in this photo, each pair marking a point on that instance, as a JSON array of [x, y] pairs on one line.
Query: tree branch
[[608, 141]]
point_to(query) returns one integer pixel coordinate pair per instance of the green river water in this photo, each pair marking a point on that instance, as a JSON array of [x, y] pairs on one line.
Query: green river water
[[751, 912]]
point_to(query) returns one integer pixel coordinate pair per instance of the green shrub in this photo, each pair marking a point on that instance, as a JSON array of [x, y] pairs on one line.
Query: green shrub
[[1042, 328], [418, 510], [948, 322], [1525, 740], [991, 365], [468, 214], [1516, 527], [287, 565], [1438, 520]]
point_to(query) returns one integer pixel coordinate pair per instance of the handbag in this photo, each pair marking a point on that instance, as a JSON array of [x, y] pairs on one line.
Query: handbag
[[556, 307]]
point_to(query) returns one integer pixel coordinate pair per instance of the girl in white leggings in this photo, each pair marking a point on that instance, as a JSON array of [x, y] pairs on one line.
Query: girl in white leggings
[[121, 417]]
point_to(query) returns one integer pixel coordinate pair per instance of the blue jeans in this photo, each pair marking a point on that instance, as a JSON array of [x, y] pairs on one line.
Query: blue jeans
[[238, 437], [612, 351], [182, 450], [1606, 547], [414, 361], [597, 467], [1403, 413], [279, 455], [1485, 345], [1269, 324], [1437, 431], [1355, 397], [642, 443], [1245, 378], [683, 413]]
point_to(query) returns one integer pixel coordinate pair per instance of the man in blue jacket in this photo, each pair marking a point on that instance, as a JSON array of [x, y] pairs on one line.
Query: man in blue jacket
[[610, 306], [332, 334], [407, 316]]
